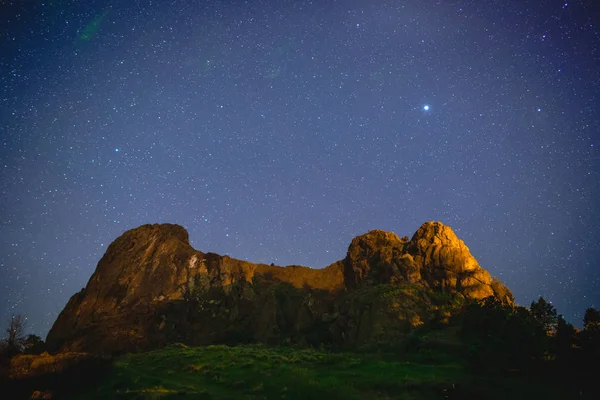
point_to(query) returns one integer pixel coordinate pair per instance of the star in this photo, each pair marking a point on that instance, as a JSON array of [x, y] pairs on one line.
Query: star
[[232, 133]]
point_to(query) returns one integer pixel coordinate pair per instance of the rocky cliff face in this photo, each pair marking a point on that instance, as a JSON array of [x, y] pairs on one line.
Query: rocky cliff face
[[446, 263], [151, 287]]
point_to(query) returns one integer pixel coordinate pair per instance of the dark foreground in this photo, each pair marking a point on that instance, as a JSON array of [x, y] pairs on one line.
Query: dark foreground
[[258, 372]]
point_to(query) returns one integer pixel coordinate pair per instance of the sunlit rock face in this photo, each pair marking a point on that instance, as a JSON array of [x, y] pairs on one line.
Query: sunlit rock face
[[143, 273], [143, 266], [140, 295], [446, 263], [435, 258]]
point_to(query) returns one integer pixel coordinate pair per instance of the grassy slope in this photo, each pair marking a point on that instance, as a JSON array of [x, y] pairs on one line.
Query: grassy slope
[[257, 372]]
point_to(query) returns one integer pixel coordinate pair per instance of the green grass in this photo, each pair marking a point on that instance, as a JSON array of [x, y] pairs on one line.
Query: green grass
[[258, 372], [436, 371]]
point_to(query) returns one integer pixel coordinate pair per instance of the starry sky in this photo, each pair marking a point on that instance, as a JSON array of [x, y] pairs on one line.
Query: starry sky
[[276, 131]]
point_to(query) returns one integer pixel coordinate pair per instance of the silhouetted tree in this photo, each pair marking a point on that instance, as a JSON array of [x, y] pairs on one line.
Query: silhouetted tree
[[33, 344], [13, 343], [481, 324], [545, 314], [564, 340], [500, 335], [15, 331], [590, 336], [525, 339]]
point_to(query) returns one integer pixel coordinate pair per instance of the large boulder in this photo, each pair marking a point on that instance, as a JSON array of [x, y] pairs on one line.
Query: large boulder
[[151, 287], [434, 258], [378, 257], [446, 263]]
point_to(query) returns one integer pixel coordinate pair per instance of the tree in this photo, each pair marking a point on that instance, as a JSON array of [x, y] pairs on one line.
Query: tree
[[525, 339], [501, 336], [33, 344], [13, 343], [16, 331], [590, 336], [564, 339], [545, 314]]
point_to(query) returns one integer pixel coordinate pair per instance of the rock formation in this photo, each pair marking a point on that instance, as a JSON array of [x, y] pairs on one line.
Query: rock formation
[[151, 287]]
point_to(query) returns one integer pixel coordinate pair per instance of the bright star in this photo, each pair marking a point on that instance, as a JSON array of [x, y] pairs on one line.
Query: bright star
[[426, 107]]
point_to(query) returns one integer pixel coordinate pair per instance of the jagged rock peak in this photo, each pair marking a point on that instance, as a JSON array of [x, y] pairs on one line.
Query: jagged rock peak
[[378, 236], [438, 246], [436, 232], [446, 262]]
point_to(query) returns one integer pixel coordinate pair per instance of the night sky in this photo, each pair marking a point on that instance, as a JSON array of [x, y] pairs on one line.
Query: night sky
[[276, 131]]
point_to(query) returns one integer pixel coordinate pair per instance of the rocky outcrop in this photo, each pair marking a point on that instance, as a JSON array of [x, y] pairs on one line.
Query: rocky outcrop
[[446, 263], [378, 257], [151, 287]]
